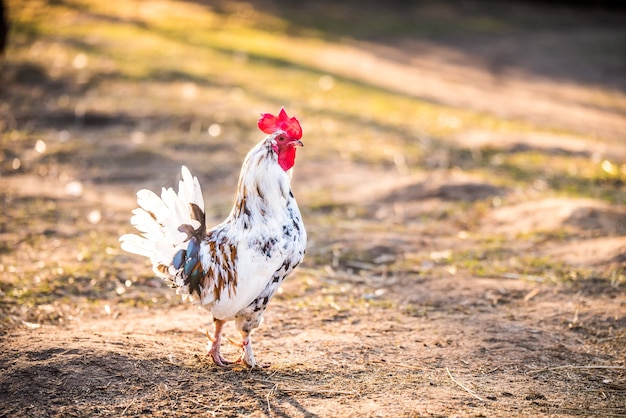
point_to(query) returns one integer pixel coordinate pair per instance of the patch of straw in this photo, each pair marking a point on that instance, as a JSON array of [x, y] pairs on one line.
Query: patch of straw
[[468, 390]]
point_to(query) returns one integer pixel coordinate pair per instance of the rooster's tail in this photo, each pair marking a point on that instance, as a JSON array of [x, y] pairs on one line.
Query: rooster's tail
[[162, 220]]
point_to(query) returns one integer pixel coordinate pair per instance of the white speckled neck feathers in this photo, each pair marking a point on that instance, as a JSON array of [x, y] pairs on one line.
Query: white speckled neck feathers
[[263, 188]]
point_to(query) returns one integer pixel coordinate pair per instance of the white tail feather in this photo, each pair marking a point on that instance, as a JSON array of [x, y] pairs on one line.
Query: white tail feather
[[158, 219], [191, 186], [137, 245]]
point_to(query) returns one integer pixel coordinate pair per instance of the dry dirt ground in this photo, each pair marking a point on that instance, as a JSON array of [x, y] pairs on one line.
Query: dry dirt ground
[[389, 315]]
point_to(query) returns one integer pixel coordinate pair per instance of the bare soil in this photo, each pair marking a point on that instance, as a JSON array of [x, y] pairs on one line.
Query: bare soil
[[381, 320]]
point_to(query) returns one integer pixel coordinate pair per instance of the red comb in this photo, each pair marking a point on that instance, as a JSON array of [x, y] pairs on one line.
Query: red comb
[[269, 124]]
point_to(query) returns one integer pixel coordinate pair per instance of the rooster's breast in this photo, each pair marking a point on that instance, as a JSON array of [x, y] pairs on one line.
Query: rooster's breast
[[267, 251]]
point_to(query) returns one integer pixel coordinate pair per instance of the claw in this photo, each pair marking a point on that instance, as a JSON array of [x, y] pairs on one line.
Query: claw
[[218, 359], [235, 343], [246, 358]]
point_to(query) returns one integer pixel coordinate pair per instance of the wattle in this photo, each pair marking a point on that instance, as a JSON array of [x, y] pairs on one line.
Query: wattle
[[286, 157]]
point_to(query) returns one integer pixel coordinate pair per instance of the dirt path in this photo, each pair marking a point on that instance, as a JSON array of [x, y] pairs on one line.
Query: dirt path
[[520, 348]]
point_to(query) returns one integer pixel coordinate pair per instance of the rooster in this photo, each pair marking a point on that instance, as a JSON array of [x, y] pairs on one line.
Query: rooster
[[233, 269]]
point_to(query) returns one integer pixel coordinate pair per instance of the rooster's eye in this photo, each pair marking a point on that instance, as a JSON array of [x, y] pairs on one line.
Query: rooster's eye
[[281, 138]]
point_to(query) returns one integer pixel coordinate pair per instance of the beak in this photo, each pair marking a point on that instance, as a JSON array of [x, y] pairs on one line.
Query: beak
[[297, 143]]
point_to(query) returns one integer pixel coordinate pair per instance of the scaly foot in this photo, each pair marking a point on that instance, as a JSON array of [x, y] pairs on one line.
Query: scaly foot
[[247, 355], [214, 353], [213, 348]]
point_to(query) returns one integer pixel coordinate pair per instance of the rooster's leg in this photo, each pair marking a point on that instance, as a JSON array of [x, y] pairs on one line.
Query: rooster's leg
[[214, 346], [244, 325], [247, 357]]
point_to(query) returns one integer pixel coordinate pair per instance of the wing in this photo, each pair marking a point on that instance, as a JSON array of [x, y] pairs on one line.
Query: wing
[[230, 268], [207, 267]]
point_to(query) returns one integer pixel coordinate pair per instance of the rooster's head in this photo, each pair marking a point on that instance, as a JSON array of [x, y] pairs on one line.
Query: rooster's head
[[284, 136]]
